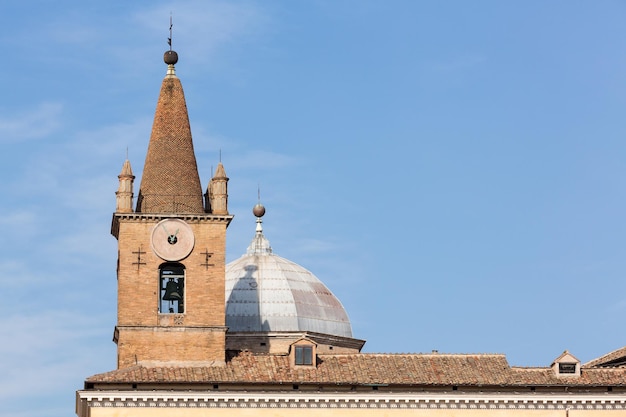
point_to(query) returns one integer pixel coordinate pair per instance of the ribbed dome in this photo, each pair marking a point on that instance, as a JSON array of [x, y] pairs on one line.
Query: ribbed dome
[[265, 292]]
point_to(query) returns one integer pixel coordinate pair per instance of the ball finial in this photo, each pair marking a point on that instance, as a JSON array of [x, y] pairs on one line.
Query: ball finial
[[258, 210], [170, 57]]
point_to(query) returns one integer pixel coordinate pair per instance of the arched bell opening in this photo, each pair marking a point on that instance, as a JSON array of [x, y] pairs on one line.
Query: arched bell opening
[[172, 288]]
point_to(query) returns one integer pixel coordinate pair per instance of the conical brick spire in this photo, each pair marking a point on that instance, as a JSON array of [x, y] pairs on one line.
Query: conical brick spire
[[170, 181]]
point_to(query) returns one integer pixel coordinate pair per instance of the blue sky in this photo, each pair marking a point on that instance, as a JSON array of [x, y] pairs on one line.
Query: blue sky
[[454, 171]]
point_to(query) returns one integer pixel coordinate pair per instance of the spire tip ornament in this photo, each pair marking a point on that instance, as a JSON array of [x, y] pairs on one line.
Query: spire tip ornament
[[259, 209], [170, 57]]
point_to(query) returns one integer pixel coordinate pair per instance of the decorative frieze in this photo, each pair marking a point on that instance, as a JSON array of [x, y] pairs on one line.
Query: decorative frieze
[[356, 401]]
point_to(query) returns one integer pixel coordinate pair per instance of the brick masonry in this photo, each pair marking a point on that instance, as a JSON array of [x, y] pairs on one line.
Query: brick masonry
[[170, 182], [144, 334]]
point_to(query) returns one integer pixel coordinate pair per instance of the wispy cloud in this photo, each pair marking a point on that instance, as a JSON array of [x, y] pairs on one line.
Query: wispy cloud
[[33, 124], [32, 338], [316, 246], [112, 140], [59, 185], [59, 170], [618, 307], [208, 142], [25, 221], [205, 26]]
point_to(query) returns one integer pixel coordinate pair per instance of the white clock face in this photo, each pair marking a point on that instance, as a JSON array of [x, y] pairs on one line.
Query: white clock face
[[172, 239]]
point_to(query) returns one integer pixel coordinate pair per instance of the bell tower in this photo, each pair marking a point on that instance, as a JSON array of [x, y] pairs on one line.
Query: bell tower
[[171, 248]]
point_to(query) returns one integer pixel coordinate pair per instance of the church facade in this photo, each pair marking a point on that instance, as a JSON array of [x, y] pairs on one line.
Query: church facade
[[263, 336]]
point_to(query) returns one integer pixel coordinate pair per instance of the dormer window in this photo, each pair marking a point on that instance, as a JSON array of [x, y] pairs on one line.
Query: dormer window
[[566, 365], [567, 368], [304, 355]]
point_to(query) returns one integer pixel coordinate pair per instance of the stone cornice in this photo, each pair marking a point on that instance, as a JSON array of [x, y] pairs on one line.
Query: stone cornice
[[173, 328], [160, 216], [156, 217], [322, 338], [501, 401]]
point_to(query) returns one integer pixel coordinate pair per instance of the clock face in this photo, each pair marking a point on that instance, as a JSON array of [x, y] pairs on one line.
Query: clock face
[[172, 239]]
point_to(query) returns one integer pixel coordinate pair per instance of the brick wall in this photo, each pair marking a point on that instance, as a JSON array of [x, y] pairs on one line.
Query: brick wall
[[173, 344], [146, 334]]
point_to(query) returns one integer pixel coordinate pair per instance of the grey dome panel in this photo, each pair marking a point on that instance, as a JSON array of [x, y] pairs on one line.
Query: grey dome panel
[[265, 292]]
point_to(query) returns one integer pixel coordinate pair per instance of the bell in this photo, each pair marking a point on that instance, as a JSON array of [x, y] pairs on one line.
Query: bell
[[171, 291]]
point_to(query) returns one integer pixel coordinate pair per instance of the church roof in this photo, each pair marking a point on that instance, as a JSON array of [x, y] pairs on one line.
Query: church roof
[[611, 359], [170, 181], [367, 369], [265, 292]]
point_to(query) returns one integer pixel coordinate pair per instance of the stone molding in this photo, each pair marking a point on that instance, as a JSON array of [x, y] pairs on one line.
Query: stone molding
[[156, 217], [192, 218], [512, 401], [175, 329]]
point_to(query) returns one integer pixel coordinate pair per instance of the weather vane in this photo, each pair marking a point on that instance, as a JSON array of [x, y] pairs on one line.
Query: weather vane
[[169, 40]]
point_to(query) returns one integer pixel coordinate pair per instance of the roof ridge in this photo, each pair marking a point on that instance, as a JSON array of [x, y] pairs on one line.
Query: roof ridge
[[427, 354], [607, 357]]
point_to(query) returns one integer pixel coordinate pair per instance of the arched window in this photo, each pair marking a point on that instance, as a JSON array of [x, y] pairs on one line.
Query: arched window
[[172, 288]]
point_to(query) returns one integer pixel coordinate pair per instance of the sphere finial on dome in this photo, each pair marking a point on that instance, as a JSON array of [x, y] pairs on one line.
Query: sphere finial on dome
[[259, 244], [258, 210]]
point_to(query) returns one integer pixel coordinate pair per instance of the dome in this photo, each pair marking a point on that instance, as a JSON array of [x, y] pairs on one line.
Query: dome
[[268, 293]]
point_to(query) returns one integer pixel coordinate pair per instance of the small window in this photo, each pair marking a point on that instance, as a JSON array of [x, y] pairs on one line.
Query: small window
[[172, 288], [567, 368], [304, 355]]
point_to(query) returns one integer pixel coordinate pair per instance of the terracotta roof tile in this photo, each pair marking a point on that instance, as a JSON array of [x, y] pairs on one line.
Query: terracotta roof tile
[[614, 358], [367, 369], [170, 181]]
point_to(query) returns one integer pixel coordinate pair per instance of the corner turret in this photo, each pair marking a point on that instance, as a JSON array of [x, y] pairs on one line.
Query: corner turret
[[124, 194], [217, 192]]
